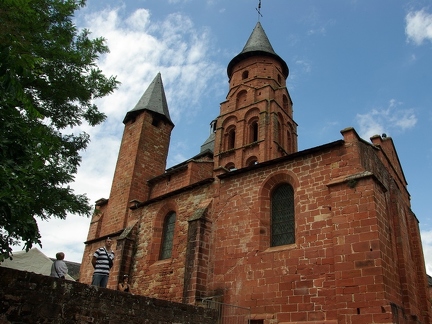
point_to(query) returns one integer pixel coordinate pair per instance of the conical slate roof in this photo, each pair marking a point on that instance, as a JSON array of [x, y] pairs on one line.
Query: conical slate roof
[[209, 143], [153, 99], [258, 41], [257, 44]]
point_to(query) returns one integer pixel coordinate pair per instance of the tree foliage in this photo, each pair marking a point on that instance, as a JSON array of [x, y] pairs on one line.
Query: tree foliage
[[48, 82]]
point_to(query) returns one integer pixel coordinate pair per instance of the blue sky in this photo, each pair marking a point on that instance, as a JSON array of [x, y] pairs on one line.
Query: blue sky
[[361, 64]]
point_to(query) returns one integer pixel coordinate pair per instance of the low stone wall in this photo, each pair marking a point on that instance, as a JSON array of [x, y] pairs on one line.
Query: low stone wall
[[31, 298]]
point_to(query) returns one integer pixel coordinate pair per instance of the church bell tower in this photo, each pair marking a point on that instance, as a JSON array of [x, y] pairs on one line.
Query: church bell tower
[[142, 156], [256, 119]]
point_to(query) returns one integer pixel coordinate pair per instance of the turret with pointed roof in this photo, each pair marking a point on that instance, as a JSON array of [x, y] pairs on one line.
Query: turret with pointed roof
[[256, 120], [142, 156], [153, 100], [257, 44]]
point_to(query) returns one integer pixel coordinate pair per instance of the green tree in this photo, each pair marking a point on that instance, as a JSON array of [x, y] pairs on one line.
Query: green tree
[[48, 82]]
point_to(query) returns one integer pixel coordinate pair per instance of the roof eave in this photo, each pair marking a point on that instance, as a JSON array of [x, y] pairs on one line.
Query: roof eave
[[240, 57]]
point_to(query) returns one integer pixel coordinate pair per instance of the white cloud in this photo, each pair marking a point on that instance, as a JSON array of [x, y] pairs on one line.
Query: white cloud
[[389, 119], [176, 1], [426, 237], [139, 20], [418, 26], [317, 26], [305, 65], [139, 49], [67, 236], [317, 31]]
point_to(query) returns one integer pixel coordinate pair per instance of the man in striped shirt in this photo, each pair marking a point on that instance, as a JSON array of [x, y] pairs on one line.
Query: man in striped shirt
[[102, 262]]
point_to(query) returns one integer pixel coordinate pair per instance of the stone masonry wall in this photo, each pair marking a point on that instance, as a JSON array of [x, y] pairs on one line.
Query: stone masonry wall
[[335, 272], [165, 278], [31, 298]]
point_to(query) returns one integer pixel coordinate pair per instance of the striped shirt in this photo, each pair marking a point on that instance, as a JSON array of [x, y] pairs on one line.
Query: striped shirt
[[102, 264]]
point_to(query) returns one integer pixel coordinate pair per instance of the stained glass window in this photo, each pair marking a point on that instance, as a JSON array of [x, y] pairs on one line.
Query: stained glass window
[[167, 236], [282, 216]]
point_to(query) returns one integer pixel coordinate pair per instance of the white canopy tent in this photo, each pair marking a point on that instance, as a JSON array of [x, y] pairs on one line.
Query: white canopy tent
[[31, 261]]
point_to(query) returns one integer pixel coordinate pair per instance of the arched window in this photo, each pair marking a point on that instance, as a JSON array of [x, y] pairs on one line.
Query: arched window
[[279, 133], [253, 131], [282, 216], [231, 139], [285, 103], [289, 142], [230, 166], [245, 74], [241, 98], [252, 161], [167, 236]]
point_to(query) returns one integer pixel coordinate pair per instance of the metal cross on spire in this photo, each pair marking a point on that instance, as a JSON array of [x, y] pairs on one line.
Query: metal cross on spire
[[259, 10]]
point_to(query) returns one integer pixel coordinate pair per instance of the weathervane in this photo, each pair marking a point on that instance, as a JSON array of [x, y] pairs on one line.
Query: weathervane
[[259, 10]]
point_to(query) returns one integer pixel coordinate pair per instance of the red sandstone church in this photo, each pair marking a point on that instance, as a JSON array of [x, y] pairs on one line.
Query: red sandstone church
[[323, 235]]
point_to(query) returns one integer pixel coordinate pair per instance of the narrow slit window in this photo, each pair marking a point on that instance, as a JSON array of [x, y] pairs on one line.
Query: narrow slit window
[[231, 139], [254, 131]]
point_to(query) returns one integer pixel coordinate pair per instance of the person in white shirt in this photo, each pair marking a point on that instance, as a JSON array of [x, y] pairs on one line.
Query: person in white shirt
[[59, 268]]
